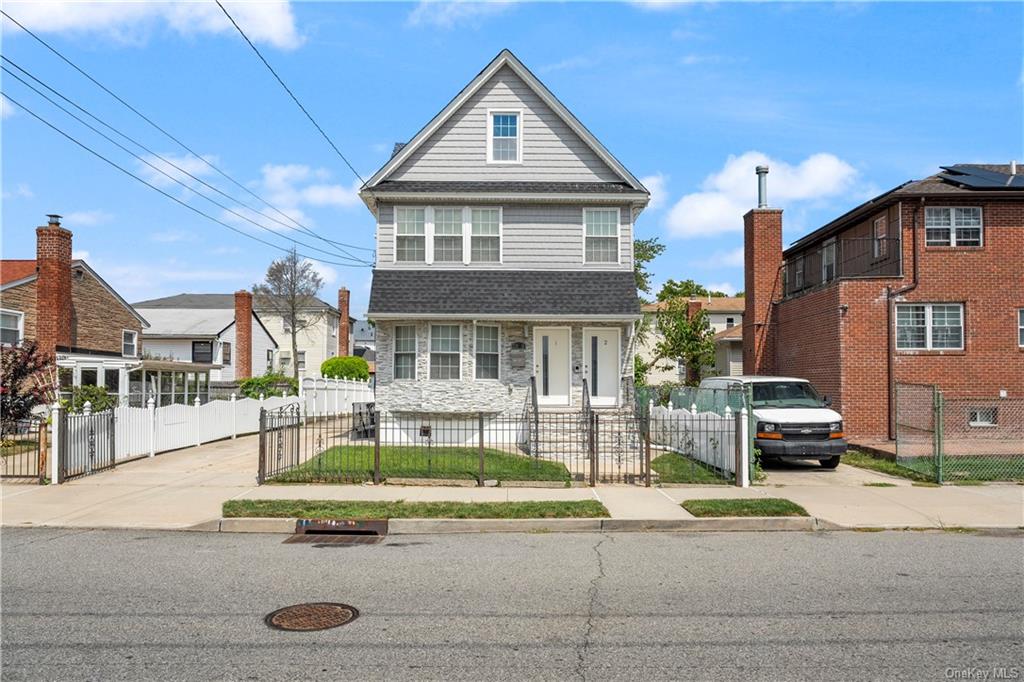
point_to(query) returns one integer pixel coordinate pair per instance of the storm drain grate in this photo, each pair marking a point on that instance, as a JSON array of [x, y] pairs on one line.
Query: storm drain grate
[[333, 539], [312, 616]]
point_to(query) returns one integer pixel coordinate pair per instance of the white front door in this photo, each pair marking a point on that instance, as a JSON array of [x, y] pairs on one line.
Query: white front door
[[601, 348], [551, 359]]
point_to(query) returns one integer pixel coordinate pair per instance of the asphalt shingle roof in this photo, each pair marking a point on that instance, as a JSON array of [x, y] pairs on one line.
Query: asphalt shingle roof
[[503, 187], [421, 293], [206, 302]]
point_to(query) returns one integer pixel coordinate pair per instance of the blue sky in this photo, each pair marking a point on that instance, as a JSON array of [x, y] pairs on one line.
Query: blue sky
[[842, 100]]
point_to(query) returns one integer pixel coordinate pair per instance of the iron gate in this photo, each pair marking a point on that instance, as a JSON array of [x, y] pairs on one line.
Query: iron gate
[[23, 451]]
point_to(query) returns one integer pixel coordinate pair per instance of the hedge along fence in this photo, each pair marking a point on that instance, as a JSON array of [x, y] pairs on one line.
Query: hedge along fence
[[345, 367]]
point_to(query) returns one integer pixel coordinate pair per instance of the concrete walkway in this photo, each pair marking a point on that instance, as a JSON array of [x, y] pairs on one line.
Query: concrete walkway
[[187, 488]]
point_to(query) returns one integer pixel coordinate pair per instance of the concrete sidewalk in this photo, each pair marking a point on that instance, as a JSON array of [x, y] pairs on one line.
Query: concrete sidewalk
[[187, 488]]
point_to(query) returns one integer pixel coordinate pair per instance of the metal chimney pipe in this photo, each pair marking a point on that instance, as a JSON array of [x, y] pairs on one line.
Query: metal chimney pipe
[[53, 219], [1013, 167], [762, 186]]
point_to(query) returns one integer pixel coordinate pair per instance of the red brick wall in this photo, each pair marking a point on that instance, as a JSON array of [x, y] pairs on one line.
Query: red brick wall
[[807, 334], [243, 335], [344, 329], [53, 288], [762, 254]]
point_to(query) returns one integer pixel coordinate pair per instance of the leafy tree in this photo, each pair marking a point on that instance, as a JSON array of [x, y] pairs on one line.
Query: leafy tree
[[97, 397], [346, 367], [685, 289], [645, 251], [269, 385], [289, 291], [684, 337], [640, 370], [27, 380]]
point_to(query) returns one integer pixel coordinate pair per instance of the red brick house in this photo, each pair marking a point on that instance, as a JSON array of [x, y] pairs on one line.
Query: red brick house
[[922, 284], [71, 312]]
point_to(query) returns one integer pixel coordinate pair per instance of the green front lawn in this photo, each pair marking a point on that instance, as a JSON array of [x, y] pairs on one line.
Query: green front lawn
[[334, 509], [862, 460], [963, 470], [675, 468], [761, 506], [354, 464]]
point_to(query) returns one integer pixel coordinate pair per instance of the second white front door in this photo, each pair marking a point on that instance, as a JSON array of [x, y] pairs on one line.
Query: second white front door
[[551, 358], [601, 365]]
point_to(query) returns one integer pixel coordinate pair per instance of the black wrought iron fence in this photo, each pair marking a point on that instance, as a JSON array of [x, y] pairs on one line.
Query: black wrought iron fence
[[23, 450], [86, 443]]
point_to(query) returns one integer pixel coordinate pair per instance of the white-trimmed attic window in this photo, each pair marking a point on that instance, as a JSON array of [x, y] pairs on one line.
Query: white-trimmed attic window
[[504, 137]]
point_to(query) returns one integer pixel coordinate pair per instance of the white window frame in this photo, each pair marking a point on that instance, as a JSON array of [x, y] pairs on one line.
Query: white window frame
[[21, 322], [476, 328], [928, 327], [394, 351], [952, 228], [880, 249], [300, 360], [1020, 327], [135, 343], [430, 350], [467, 244], [333, 323], [829, 245], [974, 412], [430, 226], [428, 251], [618, 235], [491, 113]]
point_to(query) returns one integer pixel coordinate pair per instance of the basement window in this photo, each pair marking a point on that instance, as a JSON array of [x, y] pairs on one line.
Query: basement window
[[982, 416]]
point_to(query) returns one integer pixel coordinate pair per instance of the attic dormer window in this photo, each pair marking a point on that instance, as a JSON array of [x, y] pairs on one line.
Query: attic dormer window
[[504, 137]]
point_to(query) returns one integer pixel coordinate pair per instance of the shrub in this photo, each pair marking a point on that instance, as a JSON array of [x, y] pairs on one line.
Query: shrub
[[96, 396], [26, 381], [269, 385], [348, 367]]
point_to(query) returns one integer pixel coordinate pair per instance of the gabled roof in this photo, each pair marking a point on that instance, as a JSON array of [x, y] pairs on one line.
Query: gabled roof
[[17, 272], [211, 302], [713, 304], [731, 334], [504, 58]]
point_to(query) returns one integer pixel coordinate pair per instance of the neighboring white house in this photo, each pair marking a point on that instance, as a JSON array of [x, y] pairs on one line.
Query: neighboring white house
[[725, 315], [315, 343], [202, 328]]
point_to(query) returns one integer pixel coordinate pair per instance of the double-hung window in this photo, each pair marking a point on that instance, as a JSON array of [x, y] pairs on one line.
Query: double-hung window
[[129, 343], [225, 354], [929, 326], [798, 273], [405, 351], [487, 351], [828, 261], [202, 352], [945, 226], [410, 235], [448, 235], [879, 231], [601, 226], [12, 327], [445, 351], [503, 137], [1020, 327], [485, 235], [301, 360]]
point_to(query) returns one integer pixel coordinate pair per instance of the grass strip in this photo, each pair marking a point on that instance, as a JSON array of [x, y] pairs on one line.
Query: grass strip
[[760, 506], [354, 464], [878, 484], [675, 468], [341, 509], [862, 460]]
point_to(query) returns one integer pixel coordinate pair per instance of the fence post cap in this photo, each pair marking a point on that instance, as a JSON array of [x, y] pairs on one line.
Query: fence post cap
[[232, 397], [151, 403], [693, 408], [196, 402], [261, 396], [87, 407]]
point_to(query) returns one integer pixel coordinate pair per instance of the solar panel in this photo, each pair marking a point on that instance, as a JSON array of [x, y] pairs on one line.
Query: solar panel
[[974, 177]]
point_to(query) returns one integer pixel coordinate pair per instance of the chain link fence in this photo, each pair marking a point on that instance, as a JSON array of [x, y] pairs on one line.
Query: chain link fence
[[961, 438]]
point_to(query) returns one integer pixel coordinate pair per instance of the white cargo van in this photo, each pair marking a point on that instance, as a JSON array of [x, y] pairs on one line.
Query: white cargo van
[[792, 420]]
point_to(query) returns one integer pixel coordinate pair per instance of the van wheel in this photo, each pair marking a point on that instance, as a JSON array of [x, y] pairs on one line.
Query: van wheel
[[830, 463]]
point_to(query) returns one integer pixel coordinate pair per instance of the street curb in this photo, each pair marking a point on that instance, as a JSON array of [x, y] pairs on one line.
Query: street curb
[[444, 526]]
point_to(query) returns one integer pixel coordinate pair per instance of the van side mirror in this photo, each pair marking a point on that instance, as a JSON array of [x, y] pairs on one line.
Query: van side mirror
[[826, 401]]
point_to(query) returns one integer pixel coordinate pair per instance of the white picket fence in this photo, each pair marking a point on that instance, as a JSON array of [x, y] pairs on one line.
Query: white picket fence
[[332, 396], [704, 436]]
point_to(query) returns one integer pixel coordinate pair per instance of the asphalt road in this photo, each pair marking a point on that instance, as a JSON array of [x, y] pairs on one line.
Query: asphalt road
[[103, 605]]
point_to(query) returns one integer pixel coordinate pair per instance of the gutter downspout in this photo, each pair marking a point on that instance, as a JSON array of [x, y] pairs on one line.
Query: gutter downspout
[[890, 309]]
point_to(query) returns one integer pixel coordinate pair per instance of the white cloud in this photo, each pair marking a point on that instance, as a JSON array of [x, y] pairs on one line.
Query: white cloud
[[7, 109], [328, 274], [725, 287], [726, 195], [20, 191], [171, 236], [86, 218], [449, 14], [569, 64], [80, 255], [732, 258], [656, 185], [271, 23], [189, 165], [659, 5]]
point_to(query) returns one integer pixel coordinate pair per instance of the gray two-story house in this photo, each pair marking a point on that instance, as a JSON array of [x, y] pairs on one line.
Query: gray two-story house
[[504, 253]]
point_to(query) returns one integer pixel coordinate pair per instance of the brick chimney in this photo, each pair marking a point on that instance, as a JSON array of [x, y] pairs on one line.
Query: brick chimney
[[54, 308], [243, 335], [762, 258], [344, 330]]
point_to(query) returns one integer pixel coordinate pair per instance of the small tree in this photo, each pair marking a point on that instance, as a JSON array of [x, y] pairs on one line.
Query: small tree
[[27, 380], [289, 291], [645, 251], [684, 289], [348, 367], [690, 339]]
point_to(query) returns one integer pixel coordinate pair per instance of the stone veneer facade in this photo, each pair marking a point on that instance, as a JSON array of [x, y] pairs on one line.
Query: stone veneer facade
[[506, 395]]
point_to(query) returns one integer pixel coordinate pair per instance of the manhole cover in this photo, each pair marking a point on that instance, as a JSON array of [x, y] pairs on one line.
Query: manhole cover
[[309, 617]]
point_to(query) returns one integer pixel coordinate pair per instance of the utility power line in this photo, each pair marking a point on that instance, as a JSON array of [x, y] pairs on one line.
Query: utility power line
[[290, 93], [157, 189], [173, 138], [334, 254]]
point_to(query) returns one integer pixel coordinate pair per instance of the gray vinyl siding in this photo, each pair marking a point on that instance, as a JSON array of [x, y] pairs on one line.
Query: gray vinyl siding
[[551, 150], [534, 237]]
